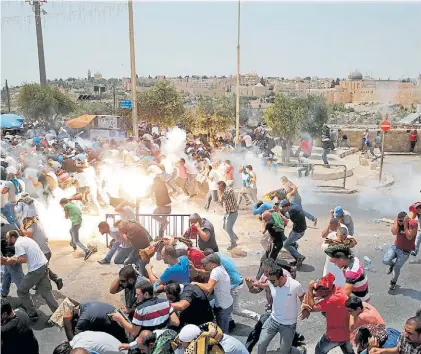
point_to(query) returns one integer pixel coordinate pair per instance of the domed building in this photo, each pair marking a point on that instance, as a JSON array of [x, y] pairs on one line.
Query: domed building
[[355, 76]]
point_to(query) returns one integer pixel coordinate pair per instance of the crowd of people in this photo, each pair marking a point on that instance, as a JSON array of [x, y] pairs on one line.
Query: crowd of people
[[189, 307]]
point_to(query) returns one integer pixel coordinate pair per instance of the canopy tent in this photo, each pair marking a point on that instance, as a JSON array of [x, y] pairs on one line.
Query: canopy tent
[[80, 122], [11, 121]]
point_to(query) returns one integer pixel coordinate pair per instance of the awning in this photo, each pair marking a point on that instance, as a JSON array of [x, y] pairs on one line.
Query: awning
[[11, 121], [80, 122]]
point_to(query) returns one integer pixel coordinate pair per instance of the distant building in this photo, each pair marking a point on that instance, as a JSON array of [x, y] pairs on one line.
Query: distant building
[[89, 75], [249, 79], [98, 76]]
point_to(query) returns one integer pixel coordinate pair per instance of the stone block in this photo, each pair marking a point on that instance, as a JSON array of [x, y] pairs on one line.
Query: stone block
[[363, 162], [373, 165]]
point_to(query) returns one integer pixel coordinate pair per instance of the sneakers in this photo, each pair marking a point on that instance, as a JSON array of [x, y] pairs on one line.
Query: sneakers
[[232, 325], [88, 254], [414, 253], [103, 261], [315, 222], [231, 247], [59, 283], [390, 269], [73, 246], [392, 285], [34, 318], [300, 262]]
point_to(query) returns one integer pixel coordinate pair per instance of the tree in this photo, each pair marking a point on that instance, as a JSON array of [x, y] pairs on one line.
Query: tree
[[333, 84], [316, 114], [43, 103], [284, 118], [92, 107], [212, 115], [337, 82], [307, 78], [162, 105], [262, 81]]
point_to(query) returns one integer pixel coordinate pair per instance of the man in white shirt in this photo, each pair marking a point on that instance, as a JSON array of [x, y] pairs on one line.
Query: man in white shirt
[[287, 295], [28, 251], [248, 142], [213, 179], [219, 282], [93, 342]]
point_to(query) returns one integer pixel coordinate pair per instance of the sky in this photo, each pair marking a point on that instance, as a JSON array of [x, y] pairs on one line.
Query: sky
[[284, 39]]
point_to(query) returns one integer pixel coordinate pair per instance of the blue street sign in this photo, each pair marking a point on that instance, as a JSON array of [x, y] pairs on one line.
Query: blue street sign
[[127, 104]]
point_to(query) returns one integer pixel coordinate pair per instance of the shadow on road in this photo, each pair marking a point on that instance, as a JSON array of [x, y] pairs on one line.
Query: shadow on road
[[306, 268], [412, 293], [241, 330]]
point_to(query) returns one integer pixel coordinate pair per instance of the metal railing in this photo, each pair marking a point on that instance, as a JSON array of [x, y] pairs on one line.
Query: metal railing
[[332, 165], [177, 224]]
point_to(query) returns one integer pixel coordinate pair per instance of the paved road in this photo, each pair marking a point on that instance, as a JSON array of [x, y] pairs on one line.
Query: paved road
[[90, 281]]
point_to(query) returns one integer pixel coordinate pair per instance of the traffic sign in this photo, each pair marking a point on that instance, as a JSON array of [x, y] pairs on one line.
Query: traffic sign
[[127, 104], [385, 125]]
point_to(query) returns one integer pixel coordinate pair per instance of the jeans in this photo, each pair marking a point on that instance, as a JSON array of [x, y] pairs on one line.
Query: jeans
[[122, 254], [212, 195], [38, 277], [53, 276], [418, 242], [237, 309], [228, 225], [254, 335], [247, 192], [324, 156], [325, 345], [223, 317], [162, 219], [396, 257], [114, 247], [293, 237], [134, 258], [12, 273], [74, 233], [306, 169], [286, 332]]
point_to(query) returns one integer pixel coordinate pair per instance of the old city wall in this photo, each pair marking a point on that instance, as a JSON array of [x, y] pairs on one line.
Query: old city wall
[[397, 139]]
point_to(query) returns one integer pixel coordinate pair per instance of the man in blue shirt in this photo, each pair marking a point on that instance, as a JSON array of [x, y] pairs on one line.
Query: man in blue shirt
[[260, 207], [178, 269]]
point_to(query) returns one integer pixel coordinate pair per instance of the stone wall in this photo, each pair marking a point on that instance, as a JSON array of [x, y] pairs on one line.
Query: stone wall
[[397, 139]]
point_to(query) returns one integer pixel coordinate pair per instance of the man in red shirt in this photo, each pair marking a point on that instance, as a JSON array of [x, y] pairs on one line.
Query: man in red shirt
[[413, 137], [405, 230], [332, 304]]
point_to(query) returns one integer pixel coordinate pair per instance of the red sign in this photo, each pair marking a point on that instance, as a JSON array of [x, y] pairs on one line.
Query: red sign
[[385, 125]]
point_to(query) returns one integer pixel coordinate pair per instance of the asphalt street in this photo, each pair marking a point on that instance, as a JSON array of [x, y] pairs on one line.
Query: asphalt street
[[90, 281]]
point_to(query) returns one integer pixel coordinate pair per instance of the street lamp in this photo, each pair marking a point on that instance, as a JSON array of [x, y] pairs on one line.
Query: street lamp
[[237, 88]]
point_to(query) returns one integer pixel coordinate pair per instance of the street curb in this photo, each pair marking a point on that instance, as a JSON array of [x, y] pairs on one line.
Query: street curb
[[402, 153], [336, 191]]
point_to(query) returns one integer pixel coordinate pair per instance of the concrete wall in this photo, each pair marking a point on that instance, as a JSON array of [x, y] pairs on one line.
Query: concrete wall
[[397, 139]]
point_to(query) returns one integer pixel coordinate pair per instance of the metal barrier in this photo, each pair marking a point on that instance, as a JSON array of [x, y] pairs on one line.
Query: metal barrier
[[332, 165], [176, 226]]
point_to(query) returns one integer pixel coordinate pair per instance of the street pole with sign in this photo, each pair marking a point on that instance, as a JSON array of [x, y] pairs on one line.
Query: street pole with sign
[[385, 127]]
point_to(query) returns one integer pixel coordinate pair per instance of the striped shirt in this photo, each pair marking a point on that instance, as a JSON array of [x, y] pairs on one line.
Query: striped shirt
[[355, 275], [228, 200], [152, 314]]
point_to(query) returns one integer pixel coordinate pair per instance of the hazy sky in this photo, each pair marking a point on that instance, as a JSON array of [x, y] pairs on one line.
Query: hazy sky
[[180, 38]]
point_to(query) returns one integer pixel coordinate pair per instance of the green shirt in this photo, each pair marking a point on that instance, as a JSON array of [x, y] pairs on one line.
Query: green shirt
[[75, 214], [278, 221]]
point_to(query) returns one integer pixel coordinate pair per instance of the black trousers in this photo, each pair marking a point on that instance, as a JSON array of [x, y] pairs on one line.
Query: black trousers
[[272, 252]]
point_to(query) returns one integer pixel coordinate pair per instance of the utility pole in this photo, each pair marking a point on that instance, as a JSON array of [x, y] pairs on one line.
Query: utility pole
[[114, 100], [36, 4], [8, 96], [237, 88], [133, 71]]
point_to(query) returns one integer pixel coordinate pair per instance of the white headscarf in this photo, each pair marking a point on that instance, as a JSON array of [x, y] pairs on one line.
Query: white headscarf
[[189, 333]]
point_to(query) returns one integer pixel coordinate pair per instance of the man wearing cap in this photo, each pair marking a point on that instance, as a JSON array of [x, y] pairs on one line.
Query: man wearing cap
[[332, 299], [299, 226], [344, 217], [356, 281], [405, 230], [219, 282]]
